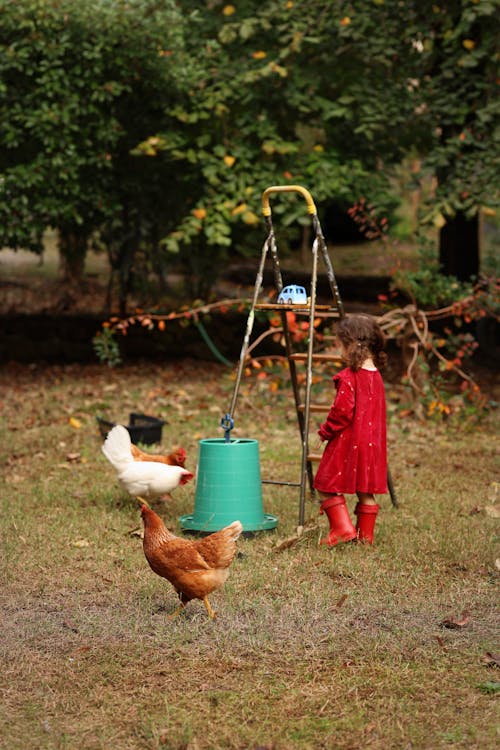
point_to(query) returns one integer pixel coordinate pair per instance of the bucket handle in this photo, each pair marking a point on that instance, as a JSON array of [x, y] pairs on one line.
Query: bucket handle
[[266, 208]]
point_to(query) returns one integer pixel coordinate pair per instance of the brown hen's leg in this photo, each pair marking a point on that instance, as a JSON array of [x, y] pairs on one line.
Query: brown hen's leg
[[210, 611], [176, 613]]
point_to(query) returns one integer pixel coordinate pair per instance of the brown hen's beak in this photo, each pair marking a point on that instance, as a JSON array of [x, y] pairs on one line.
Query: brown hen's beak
[[141, 501]]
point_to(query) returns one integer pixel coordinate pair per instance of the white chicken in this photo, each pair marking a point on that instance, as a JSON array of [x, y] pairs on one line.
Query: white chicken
[[140, 478]]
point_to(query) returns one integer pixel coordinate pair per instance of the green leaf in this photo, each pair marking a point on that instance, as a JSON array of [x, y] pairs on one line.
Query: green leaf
[[491, 688]]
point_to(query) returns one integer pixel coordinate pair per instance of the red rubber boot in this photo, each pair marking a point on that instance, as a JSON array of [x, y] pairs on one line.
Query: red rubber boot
[[366, 515], [341, 528]]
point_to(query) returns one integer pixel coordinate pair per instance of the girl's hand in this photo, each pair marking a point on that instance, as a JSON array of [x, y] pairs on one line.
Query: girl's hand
[[319, 444]]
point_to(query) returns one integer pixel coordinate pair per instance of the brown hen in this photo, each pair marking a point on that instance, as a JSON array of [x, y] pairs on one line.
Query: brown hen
[[194, 568]]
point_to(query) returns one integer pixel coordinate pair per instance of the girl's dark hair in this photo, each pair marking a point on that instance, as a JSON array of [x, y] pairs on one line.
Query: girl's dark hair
[[362, 338]]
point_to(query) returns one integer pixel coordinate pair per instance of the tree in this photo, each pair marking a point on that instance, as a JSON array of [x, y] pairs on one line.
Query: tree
[[335, 98], [80, 85], [258, 116], [459, 96], [156, 131]]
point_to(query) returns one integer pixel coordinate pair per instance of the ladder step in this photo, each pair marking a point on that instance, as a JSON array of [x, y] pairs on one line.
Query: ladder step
[[314, 457], [302, 357], [319, 310], [314, 407]]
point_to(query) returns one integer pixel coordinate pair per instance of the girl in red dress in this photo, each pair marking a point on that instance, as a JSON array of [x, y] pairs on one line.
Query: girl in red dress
[[355, 458]]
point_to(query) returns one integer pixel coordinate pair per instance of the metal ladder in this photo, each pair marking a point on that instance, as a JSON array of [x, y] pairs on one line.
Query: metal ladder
[[309, 311]]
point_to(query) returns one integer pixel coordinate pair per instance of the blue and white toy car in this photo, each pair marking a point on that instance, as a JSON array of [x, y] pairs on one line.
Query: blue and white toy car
[[293, 295]]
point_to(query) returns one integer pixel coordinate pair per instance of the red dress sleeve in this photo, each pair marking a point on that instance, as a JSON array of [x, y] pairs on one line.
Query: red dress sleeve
[[342, 410]]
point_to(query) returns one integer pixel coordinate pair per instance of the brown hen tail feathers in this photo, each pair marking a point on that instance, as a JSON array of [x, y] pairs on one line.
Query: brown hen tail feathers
[[235, 529]]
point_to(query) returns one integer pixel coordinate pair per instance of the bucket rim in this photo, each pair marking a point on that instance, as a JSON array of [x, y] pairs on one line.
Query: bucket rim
[[188, 522], [232, 441]]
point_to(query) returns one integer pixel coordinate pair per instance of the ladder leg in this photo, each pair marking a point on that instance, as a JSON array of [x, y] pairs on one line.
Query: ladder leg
[[392, 491], [311, 478], [306, 468], [329, 268], [250, 320]]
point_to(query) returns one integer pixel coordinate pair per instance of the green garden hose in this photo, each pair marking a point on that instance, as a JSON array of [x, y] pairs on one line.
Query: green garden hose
[[208, 341]]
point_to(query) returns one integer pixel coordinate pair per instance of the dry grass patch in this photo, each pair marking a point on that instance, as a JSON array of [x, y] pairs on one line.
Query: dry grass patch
[[313, 648]]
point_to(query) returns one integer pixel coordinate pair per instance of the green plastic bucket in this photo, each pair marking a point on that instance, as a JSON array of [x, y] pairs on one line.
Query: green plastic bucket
[[228, 488]]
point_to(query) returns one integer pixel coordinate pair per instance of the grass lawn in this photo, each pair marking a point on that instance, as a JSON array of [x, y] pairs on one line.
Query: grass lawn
[[313, 647]]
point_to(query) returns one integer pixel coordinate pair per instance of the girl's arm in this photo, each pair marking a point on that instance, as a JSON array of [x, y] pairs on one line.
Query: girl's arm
[[341, 412]]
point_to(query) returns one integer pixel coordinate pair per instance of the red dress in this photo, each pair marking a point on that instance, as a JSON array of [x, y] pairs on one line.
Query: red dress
[[355, 458]]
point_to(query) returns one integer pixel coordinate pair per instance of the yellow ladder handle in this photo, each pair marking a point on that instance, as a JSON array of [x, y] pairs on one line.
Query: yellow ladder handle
[[266, 208]]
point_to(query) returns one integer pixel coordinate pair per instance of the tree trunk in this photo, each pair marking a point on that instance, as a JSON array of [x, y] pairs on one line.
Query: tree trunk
[[72, 253], [459, 247]]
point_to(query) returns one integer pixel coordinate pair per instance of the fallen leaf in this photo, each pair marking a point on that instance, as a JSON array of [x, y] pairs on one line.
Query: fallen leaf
[[80, 543], [70, 626], [73, 457], [493, 491], [453, 623], [292, 540], [492, 511], [458, 567], [136, 532], [287, 543], [405, 413], [341, 601], [441, 642], [13, 478], [74, 422], [491, 660]]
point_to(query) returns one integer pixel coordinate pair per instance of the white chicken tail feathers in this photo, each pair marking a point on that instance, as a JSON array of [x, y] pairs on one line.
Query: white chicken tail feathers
[[117, 448], [234, 529]]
